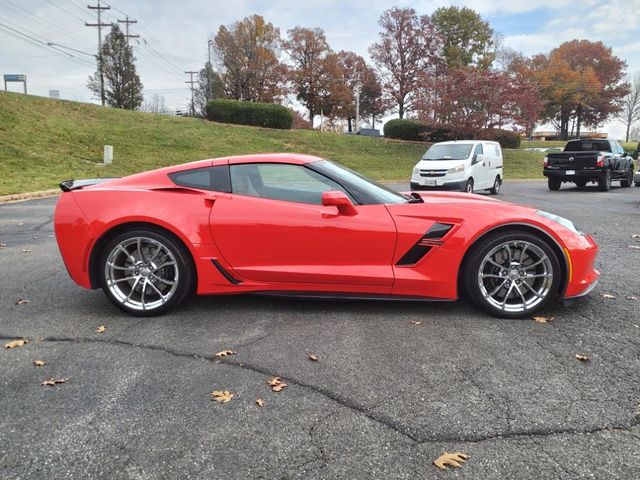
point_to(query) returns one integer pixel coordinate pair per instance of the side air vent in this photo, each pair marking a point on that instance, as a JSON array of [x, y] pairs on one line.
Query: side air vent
[[432, 238], [224, 273]]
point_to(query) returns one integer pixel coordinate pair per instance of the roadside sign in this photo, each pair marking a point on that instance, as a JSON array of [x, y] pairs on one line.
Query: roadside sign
[[15, 77]]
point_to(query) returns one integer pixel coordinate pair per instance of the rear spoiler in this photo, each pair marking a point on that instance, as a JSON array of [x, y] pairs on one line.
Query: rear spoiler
[[70, 185]]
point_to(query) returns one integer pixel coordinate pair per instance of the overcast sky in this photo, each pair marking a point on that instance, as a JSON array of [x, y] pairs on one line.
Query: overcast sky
[[174, 34]]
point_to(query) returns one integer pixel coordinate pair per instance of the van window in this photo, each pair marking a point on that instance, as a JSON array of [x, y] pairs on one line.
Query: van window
[[497, 150]]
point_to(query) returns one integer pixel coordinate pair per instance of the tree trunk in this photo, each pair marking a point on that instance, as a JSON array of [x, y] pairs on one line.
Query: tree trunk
[[400, 109], [579, 114], [311, 116], [349, 121], [626, 138], [373, 123]]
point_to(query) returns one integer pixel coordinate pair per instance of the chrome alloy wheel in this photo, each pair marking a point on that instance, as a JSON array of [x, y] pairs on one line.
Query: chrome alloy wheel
[[141, 273], [515, 276]]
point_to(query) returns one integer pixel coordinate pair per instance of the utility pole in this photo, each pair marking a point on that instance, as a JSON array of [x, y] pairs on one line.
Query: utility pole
[[357, 92], [99, 8], [191, 81], [126, 28], [210, 44]]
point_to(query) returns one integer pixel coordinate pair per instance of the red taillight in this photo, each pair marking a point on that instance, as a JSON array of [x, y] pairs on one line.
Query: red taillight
[[600, 161], [546, 162]]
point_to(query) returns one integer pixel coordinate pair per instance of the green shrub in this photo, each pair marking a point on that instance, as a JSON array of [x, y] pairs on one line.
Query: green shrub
[[506, 138], [269, 115], [403, 129]]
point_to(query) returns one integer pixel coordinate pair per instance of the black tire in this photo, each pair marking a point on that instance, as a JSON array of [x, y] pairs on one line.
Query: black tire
[[468, 187], [496, 186], [581, 183], [554, 183], [628, 180], [182, 269], [474, 262], [604, 182]]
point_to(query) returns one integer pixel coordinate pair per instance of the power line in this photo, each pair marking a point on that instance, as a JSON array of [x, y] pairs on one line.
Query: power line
[[126, 23], [99, 9]]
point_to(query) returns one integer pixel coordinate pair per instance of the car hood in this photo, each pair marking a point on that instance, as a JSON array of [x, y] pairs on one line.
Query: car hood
[[455, 197], [439, 164]]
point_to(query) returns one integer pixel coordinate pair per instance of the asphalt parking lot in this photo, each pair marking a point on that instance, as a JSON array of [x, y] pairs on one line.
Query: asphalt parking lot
[[385, 398]]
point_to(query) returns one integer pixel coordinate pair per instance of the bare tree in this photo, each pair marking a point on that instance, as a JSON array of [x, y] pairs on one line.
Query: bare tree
[[630, 112], [155, 104]]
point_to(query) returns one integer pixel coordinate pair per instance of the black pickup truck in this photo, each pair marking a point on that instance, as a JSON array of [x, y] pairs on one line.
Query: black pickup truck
[[589, 160]]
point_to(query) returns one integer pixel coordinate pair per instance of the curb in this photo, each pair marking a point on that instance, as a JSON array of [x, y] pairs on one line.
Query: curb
[[18, 197]]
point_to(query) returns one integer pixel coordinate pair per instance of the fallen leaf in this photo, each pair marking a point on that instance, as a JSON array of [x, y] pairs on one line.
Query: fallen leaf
[[635, 236], [260, 402], [313, 358], [634, 247], [16, 343], [26, 250], [279, 387], [224, 353], [608, 295], [39, 363], [274, 381], [544, 319], [583, 358], [455, 460], [101, 329], [22, 301], [222, 396], [3, 245], [52, 382], [632, 297], [416, 322], [20, 223]]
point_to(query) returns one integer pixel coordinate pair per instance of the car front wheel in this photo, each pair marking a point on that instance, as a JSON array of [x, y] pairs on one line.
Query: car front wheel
[[512, 274], [146, 272]]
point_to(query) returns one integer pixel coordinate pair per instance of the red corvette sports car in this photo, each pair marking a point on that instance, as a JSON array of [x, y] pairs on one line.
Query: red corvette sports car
[[300, 225]]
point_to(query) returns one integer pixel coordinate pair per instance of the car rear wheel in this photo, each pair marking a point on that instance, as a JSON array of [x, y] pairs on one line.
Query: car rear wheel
[[469, 186], [496, 186], [554, 183], [512, 274], [604, 182], [628, 180], [146, 272]]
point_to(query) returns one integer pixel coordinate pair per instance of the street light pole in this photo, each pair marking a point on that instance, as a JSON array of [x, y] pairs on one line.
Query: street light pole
[[210, 43]]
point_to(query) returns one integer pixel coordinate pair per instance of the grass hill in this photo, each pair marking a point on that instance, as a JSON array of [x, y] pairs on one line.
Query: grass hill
[[44, 141]]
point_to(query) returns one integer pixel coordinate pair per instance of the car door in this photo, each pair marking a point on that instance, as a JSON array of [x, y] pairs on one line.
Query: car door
[[273, 228], [479, 168]]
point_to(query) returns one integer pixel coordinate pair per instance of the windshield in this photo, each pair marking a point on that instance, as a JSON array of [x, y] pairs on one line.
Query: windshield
[[365, 190], [448, 152]]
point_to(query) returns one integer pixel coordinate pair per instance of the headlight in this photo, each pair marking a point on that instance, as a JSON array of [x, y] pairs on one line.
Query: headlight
[[459, 168], [416, 171], [566, 223]]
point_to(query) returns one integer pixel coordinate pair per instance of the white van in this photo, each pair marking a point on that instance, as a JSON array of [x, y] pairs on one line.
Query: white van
[[466, 165]]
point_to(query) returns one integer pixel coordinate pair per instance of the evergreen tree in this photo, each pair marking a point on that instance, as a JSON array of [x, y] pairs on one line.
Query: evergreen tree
[[209, 86], [122, 86]]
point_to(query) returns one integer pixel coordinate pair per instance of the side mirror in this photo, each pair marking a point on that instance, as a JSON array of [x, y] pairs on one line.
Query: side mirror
[[336, 198]]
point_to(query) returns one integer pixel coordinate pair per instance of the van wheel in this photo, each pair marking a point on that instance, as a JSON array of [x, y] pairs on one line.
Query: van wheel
[[496, 186], [469, 186]]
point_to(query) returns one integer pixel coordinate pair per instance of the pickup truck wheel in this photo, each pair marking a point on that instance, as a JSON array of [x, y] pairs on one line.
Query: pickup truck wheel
[[604, 182], [628, 180], [469, 186], [554, 184], [496, 186], [511, 274]]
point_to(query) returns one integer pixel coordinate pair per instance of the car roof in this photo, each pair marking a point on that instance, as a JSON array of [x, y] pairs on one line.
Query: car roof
[[464, 142]]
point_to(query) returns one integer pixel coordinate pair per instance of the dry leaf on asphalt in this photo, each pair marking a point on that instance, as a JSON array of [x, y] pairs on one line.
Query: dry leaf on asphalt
[[632, 297], [26, 250], [222, 396], [16, 343], [455, 460], [39, 363], [260, 402], [101, 329], [544, 319], [634, 247], [274, 381], [224, 353], [313, 358], [3, 245], [608, 295], [279, 387], [416, 322], [635, 236], [583, 358], [22, 301], [52, 382]]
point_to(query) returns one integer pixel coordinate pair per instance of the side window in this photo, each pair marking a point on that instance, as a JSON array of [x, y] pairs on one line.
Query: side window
[[497, 150], [477, 151], [209, 178], [280, 181]]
